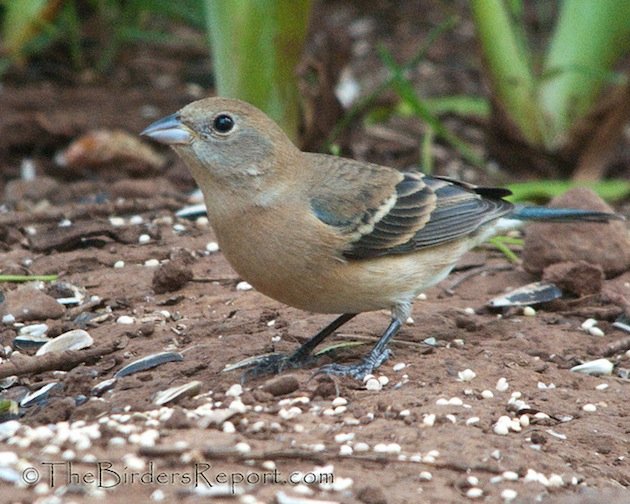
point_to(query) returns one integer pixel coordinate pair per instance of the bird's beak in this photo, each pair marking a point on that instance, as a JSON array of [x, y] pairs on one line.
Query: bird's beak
[[169, 130]]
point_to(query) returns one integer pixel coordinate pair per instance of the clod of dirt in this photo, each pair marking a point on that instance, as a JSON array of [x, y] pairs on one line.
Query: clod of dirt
[[606, 245], [580, 278], [29, 303], [371, 495], [40, 188], [141, 188], [171, 276], [281, 385]]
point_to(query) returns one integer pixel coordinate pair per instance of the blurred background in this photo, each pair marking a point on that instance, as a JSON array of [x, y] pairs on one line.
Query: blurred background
[[490, 91]]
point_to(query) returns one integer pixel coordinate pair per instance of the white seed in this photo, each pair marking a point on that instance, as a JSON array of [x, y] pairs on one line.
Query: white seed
[[228, 427], [510, 475], [345, 450], [361, 447], [595, 367], [344, 437], [373, 384], [451, 418], [242, 447], [117, 221], [524, 420], [126, 320], [410, 321], [528, 311], [502, 384], [472, 420], [596, 331], [339, 401], [555, 480], [243, 286], [234, 390], [422, 296], [469, 310], [509, 494], [429, 420], [455, 401], [589, 407], [601, 386], [399, 367], [202, 222], [119, 264], [144, 238], [212, 247], [425, 475], [474, 493], [472, 480], [588, 323], [405, 413], [383, 380], [487, 394], [466, 375], [151, 263]]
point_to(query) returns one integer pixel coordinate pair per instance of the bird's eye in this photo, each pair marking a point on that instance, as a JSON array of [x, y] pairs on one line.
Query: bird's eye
[[223, 123]]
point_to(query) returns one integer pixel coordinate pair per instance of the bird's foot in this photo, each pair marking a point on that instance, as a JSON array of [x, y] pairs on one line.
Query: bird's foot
[[269, 364], [357, 371]]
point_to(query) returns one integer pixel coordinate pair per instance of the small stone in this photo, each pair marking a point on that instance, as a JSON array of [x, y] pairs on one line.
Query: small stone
[[281, 385], [28, 303], [371, 495], [171, 276]]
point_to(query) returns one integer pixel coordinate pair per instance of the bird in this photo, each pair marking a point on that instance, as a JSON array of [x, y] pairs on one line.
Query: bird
[[329, 234]]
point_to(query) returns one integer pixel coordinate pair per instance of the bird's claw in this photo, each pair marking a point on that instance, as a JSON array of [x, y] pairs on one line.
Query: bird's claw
[[357, 371]]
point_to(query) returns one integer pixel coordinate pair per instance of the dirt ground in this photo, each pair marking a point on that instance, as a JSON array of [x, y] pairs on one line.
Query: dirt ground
[[428, 429]]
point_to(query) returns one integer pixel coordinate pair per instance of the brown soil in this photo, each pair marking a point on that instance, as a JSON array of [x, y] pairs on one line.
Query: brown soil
[[418, 449]]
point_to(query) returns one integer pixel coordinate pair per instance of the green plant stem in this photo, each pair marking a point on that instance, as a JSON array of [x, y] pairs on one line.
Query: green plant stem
[[509, 68], [256, 45], [28, 278], [543, 190], [590, 36]]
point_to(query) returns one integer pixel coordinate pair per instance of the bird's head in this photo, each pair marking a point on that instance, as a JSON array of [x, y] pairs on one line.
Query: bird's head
[[224, 142]]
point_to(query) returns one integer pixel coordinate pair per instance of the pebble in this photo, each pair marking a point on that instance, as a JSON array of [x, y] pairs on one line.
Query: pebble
[[243, 286]]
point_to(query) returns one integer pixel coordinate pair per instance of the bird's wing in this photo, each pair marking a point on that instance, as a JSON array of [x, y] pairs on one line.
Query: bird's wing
[[384, 212]]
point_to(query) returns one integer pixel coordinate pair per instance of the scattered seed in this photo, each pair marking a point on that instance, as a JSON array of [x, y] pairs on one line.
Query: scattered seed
[[125, 319], [144, 238], [589, 408], [469, 310], [76, 339], [422, 296], [429, 420], [588, 323], [405, 413], [151, 263], [502, 384], [399, 367], [148, 362], [472, 420], [509, 494], [361, 447], [474, 493], [243, 286], [466, 375], [425, 475], [487, 394], [595, 367], [212, 247], [339, 401], [116, 221], [601, 386], [373, 384], [228, 427], [136, 219], [528, 311], [119, 264], [596, 331], [383, 380], [345, 450], [410, 321]]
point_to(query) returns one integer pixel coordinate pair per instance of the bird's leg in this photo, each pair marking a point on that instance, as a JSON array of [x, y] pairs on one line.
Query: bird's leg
[[276, 363], [371, 361]]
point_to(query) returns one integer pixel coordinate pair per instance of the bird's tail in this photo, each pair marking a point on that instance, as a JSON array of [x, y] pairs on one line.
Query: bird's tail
[[547, 214]]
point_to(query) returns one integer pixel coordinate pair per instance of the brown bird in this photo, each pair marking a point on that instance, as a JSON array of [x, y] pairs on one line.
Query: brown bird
[[328, 234]]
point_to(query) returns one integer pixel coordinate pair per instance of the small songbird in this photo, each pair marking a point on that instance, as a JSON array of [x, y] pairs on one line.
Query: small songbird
[[328, 234]]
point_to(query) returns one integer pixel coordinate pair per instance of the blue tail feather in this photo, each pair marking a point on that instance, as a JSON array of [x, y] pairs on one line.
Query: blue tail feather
[[535, 213]]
